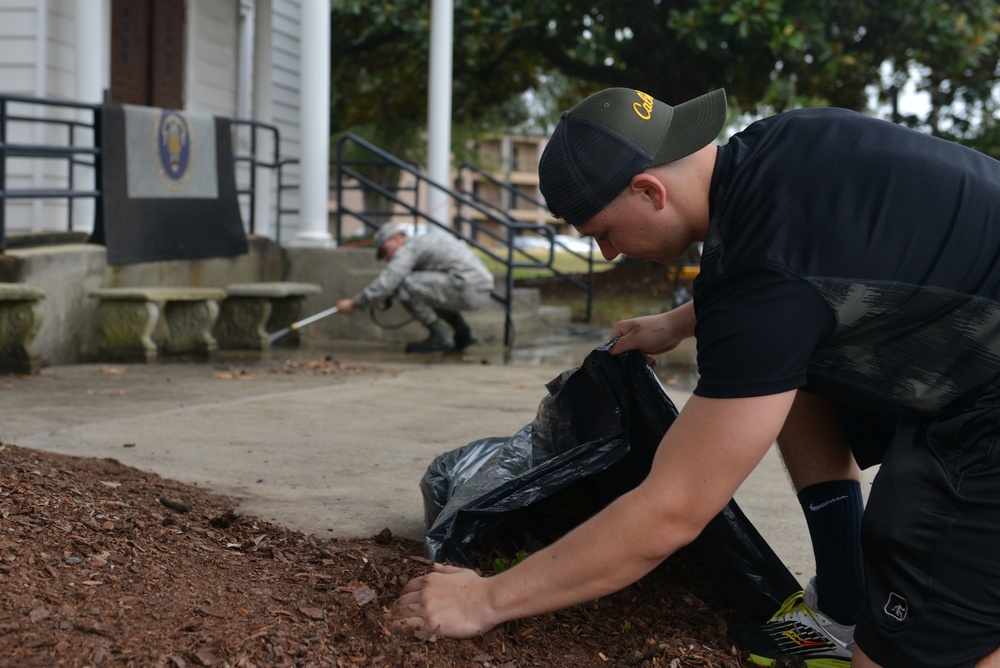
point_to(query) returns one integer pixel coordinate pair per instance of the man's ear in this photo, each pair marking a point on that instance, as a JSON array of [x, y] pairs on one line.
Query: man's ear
[[649, 187]]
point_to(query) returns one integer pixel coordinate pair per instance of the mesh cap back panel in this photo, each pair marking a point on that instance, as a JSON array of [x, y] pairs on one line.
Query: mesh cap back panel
[[584, 167]]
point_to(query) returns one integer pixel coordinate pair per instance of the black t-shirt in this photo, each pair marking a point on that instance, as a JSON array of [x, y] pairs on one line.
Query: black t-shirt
[[852, 257]]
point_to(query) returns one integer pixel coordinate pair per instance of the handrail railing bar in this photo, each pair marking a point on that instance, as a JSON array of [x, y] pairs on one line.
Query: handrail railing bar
[[261, 163], [77, 156], [281, 188], [535, 263], [253, 181], [349, 177], [413, 208], [48, 193], [497, 182], [49, 121], [460, 197], [70, 178], [48, 151], [255, 162], [51, 102], [45, 151]]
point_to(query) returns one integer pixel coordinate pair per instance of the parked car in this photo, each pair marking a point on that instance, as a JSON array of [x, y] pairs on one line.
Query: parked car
[[581, 245], [532, 242]]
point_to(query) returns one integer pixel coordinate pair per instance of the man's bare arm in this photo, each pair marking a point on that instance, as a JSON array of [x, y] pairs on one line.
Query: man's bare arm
[[655, 334], [711, 448]]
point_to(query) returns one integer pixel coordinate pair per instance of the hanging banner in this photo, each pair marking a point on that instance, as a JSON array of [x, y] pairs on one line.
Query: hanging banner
[[168, 186]]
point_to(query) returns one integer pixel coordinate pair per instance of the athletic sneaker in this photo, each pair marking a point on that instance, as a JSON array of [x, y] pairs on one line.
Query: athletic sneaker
[[798, 629]]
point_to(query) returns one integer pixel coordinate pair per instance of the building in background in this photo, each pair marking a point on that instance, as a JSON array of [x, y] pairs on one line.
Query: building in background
[[250, 59], [505, 177]]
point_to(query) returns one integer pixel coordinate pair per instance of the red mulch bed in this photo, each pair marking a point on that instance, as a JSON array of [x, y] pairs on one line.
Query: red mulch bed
[[105, 565]]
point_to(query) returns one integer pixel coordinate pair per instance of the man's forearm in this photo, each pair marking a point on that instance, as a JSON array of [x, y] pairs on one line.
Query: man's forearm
[[684, 318], [605, 554]]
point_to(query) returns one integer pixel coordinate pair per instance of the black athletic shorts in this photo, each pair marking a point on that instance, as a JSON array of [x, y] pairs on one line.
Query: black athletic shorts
[[931, 537]]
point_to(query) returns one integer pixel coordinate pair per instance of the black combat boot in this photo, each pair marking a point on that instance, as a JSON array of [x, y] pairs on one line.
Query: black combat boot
[[437, 342], [464, 336]]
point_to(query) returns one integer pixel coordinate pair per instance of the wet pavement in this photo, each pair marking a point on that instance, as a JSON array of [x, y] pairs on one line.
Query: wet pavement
[[330, 440]]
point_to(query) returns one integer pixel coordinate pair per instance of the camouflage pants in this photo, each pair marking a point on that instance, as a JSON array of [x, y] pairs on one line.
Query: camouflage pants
[[423, 291]]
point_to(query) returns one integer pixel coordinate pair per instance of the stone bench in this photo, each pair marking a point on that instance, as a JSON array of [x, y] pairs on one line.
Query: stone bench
[[20, 320], [138, 324], [251, 310]]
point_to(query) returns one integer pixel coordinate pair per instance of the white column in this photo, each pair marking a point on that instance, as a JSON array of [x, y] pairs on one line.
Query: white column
[[439, 108], [314, 103], [262, 54], [244, 88], [91, 35], [38, 216]]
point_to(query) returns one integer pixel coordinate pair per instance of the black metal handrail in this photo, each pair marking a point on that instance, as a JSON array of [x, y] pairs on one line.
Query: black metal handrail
[[275, 163], [515, 196], [350, 176], [89, 156], [279, 210], [74, 155]]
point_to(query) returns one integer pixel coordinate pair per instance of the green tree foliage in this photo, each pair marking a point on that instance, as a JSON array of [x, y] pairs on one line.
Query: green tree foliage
[[380, 53], [774, 54], [379, 63], [768, 54]]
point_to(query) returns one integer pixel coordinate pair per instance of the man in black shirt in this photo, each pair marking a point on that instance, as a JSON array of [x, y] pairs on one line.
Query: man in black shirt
[[848, 307]]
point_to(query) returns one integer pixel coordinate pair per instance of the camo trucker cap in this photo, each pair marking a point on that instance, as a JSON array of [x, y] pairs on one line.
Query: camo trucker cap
[[609, 137], [384, 232]]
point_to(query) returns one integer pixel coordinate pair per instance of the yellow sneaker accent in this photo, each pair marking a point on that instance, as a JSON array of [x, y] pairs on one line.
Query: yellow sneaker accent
[[798, 630]]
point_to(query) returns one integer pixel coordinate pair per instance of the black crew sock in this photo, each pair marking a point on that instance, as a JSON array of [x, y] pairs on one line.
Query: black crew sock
[[833, 513]]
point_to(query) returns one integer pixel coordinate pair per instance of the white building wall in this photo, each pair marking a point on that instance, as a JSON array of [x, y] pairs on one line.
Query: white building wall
[[38, 58], [61, 50], [19, 24], [211, 75], [213, 84], [59, 82], [285, 86], [20, 21]]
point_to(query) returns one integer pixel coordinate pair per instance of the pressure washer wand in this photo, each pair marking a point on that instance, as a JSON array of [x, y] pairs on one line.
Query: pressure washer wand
[[274, 336]]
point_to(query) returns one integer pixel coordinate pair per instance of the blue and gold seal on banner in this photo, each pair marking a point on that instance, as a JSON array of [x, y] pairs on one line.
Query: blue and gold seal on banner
[[174, 147]]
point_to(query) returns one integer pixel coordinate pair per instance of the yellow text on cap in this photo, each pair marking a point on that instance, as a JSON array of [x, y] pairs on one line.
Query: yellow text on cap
[[644, 110]]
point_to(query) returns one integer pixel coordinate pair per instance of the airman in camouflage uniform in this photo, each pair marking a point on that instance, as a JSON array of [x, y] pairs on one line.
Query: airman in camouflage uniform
[[434, 276]]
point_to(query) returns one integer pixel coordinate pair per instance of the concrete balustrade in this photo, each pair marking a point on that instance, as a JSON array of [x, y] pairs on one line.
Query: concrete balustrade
[[20, 320], [251, 310], [139, 324]]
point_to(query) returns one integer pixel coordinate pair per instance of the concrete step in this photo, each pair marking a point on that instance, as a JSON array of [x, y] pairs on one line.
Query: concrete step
[[528, 324], [525, 299], [531, 321], [343, 272]]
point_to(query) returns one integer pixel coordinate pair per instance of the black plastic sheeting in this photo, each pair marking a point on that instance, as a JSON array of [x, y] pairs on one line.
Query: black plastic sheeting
[[592, 440]]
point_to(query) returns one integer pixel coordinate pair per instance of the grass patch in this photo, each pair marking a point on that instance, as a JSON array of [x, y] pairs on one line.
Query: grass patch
[[563, 261], [609, 310], [605, 310]]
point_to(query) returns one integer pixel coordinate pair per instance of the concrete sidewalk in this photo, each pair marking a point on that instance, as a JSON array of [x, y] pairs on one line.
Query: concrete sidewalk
[[327, 453]]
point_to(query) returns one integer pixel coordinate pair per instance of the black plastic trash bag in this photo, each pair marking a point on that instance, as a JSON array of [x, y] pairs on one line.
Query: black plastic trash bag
[[592, 440]]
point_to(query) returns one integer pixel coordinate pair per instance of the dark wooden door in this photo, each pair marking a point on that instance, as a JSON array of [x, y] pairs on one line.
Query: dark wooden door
[[147, 52]]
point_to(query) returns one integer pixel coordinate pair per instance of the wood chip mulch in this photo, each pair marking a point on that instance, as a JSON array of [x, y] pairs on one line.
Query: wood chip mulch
[[105, 565]]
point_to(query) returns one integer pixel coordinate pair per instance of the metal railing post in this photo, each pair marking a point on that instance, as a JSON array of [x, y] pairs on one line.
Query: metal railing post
[[499, 217], [276, 165], [3, 174], [253, 179], [98, 122], [68, 151]]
